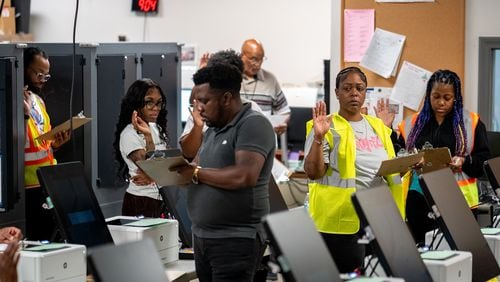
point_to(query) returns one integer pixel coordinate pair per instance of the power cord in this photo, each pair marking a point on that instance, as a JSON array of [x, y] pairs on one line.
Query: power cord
[[73, 70]]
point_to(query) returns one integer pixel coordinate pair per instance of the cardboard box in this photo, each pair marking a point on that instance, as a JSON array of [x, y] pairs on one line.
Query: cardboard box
[[8, 21]]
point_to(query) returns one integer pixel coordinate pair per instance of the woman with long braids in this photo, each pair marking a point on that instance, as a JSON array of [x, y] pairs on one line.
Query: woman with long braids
[[141, 128], [444, 123]]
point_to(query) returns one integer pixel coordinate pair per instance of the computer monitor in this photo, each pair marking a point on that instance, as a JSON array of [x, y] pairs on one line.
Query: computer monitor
[[494, 141], [392, 242], [296, 132], [128, 262], [457, 222], [276, 201], [79, 216], [175, 198], [492, 169], [298, 247]]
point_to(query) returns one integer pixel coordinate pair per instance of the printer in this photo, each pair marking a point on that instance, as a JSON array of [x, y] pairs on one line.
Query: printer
[[53, 262], [163, 232]]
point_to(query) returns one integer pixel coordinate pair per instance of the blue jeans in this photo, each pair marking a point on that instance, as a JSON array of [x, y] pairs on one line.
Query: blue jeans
[[227, 259]]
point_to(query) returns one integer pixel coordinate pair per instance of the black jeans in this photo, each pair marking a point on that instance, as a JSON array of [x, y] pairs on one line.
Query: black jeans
[[227, 259], [345, 251], [418, 220]]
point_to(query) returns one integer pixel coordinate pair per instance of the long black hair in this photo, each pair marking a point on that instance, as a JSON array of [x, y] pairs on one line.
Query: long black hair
[[134, 101], [446, 77]]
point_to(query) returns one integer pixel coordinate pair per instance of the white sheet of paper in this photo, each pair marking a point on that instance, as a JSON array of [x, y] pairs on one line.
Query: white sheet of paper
[[187, 72], [382, 56], [280, 171], [359, 25], [373, 94], [276, 119], [410, 85], [301, 97]]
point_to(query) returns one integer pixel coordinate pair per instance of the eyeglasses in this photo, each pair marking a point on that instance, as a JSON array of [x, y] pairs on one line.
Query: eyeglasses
[[255, 60], [41, 76], [151, 104]]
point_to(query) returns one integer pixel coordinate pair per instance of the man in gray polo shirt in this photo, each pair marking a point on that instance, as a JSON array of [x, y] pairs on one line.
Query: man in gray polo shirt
[[229, 194]]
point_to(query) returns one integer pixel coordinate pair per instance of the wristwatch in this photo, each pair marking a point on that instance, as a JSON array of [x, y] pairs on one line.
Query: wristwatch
[[194, 179]]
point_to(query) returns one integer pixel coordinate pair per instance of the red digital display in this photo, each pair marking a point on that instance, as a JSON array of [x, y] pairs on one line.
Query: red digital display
[[146, 6]]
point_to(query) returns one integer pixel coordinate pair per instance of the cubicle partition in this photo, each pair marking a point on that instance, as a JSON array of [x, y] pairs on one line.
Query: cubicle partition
[[103, 74], [11, 136]]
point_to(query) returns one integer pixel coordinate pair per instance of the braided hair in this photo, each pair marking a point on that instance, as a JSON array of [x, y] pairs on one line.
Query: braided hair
[[446, 77], [134, 101]]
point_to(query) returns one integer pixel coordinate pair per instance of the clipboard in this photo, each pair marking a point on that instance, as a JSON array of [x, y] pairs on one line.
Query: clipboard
[[436, 158], [159, 170], [399, 164], [77, 122]]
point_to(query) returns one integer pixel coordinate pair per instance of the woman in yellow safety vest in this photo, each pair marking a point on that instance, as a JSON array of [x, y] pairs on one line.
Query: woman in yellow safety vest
[[37, 152], [343, 153], [444, 123]]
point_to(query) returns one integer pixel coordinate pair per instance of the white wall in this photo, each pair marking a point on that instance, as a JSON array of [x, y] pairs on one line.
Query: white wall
[[481, 19], [295, 33]]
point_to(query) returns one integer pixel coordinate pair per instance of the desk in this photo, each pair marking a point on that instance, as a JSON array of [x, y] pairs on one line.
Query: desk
[[181, 271]]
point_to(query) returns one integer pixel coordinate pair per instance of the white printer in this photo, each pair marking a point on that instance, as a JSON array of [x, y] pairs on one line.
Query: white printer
[[53, 262], [163, 232], [449, 266]]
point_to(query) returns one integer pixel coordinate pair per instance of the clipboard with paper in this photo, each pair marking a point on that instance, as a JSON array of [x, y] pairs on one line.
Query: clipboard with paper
[[399, 164], [78, 121], [436, 158], [158, 167]]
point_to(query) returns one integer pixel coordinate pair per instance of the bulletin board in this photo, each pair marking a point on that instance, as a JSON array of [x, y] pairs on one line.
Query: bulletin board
[[435, 35]]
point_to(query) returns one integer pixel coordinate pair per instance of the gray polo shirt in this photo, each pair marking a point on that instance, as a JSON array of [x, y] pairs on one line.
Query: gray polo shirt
[[220, 213]]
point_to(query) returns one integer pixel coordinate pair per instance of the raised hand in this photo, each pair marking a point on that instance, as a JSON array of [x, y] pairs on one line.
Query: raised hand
[[382, 112], [321, 120], [140, 125]]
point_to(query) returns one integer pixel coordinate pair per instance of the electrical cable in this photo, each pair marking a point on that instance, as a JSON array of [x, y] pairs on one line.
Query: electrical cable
[[73, 70]]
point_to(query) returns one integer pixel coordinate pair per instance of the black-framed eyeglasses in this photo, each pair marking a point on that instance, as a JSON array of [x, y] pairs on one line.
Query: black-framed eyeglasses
[[42, 77], [151, 104]]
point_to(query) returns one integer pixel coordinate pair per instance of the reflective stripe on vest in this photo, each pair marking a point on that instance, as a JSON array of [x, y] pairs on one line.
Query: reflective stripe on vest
[[330, 197], [468, 185]]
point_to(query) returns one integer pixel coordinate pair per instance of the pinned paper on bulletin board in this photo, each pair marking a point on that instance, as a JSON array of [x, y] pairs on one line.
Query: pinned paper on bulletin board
[[373, 94], [410, 85], [359, 25], [383, 53]]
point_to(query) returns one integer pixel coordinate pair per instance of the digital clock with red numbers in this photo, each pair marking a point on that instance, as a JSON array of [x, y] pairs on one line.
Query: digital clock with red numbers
[[145, 6]]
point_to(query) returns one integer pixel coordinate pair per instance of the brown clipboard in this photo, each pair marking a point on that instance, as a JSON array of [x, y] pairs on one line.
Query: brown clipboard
[[77, 122], [436, 158], [159, 170], [399, 164]]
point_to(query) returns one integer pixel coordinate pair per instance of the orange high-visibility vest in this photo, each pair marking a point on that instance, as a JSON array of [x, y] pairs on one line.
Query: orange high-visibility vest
[[37, 153]]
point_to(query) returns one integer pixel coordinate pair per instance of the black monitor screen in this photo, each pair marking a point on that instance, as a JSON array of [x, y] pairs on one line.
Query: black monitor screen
[[276, 201], [296, 132], [132, 261], [393, 244], [299, 248], [176, 200], [457, 222], [492, 169], [494, 143], [78, 213]]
